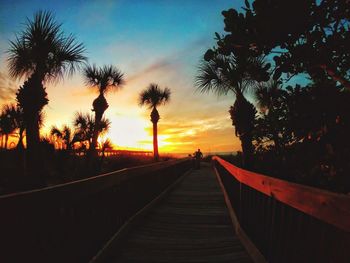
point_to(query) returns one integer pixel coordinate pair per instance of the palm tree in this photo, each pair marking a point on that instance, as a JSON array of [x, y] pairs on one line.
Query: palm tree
[[104, 79], [65, 135], [41, 53], [107, 144], [16, 115], [84, 125], [234, 73], [153, 97], [7, 124]]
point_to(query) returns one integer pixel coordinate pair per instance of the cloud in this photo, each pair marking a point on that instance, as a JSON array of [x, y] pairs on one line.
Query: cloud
[[82, 92], [172, 61], [179, 136], [98, 13], [158, 66], [7, 88]]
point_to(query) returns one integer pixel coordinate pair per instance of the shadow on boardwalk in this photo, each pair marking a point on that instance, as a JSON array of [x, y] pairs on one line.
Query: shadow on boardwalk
[[190, 225]]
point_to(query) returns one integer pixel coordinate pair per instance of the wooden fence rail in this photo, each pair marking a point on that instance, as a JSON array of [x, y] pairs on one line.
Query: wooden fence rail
[[288, 222], [71, 222]]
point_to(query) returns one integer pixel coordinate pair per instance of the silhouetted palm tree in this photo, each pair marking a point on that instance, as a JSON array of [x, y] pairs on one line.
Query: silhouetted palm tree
[[15, 113], [19, 120], [84, 125], [153, 97], [65, 134], [107, 144], [41, 53], [7, 124], [234, 73], [104, 79]]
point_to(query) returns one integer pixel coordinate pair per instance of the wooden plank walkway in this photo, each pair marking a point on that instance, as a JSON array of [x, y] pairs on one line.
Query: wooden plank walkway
[[192, 224]]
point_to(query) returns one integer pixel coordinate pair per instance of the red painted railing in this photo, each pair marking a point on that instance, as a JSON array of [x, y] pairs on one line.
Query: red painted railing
[[288, 222]]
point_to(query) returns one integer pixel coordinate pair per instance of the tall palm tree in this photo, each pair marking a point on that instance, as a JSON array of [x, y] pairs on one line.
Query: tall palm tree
[[234, 73], [104, 79], [41, 53], [153, 96]]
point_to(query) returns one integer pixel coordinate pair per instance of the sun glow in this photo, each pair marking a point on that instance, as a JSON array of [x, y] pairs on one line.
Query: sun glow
[[130, 132], [135, 133]]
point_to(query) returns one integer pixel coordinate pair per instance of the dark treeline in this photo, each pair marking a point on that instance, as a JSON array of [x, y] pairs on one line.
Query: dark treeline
[[297, 133]]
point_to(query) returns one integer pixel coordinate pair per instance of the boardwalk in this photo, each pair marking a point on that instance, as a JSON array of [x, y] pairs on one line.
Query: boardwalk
[[191, 225], [99, 220]]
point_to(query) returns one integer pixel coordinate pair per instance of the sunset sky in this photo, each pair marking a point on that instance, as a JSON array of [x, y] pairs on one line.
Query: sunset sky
[[160, 41]]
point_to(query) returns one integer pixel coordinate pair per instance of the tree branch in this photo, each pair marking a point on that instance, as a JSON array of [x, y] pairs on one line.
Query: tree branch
[[336, 77]]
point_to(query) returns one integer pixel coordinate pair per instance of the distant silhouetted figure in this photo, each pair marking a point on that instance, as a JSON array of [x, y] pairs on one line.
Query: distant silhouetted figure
[[198, 155]]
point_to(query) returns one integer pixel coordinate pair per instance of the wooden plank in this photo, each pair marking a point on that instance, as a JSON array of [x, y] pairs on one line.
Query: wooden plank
[[248, 244], [114, 242], [326, 206], [190, 225]]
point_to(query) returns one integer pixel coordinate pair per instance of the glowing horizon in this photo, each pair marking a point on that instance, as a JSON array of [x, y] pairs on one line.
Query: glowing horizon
[[151, 43]]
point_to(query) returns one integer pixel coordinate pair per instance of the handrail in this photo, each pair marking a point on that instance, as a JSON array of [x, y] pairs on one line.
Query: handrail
[[326, 206], [69, 191], [70, 222]]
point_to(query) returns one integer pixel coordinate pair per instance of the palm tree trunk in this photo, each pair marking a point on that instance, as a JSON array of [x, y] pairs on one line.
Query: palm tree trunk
[[243, 116], [102, 159], [6, 140], [155, 141], [99, 105], [247, 149], [32, 98], [20, 139], [154, 119], [94, 142], [33, 155]]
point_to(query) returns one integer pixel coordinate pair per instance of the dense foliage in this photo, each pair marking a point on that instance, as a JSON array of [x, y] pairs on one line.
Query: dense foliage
[[299, 132]]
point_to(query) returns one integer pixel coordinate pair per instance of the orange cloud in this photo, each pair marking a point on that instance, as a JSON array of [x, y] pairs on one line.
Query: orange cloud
[[7, 89]]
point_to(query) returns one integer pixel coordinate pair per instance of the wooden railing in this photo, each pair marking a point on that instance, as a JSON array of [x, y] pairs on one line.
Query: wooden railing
[[287, 222], [110, 152], [71, 222]]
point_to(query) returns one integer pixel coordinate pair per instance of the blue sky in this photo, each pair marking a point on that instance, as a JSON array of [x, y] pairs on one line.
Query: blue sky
[[162, 26], [159, 41]]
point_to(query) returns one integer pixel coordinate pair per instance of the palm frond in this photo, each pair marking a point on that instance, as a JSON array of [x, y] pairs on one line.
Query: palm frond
[[80, 121], [103, 78], [7, 119], [19, 60], [107, 144], [55, 131], [67, 134], [211, 78], [69, 56], [268, 93], [42, 47], [154, 96], [105, 125], [237, 73], [92, 75]]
